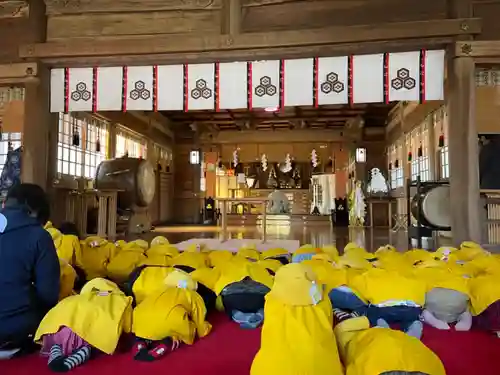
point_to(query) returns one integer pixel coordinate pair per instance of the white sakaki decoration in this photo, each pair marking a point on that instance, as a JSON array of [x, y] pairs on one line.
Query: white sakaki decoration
[[314, 158], [263, 162], [235, 158], [376, 78], [288, 164]]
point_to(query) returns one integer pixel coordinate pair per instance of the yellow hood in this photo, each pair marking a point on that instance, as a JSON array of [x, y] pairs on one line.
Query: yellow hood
[[159, 240], [101, 285], [218, 257], [275, 253], [57, 236], [301, 280], [307, 249], [331, 250], [249, 253], [180, 279]]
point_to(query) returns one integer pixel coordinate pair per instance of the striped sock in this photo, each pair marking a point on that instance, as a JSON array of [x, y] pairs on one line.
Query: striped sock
[[79, 357], [55, 353], [341, 315]]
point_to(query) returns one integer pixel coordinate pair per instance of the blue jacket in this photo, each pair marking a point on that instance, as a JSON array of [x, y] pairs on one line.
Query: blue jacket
[[29, 273]]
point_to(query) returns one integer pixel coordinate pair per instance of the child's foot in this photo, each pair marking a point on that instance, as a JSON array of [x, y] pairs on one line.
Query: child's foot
[[56, 359], [464, 322], [381, 323], [415, 329], [140, 349], [65, 364], [342, 315], [159, 350], [431, 320]]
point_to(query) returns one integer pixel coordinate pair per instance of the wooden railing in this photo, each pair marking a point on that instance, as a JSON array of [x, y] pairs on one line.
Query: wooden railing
[[490, 201]]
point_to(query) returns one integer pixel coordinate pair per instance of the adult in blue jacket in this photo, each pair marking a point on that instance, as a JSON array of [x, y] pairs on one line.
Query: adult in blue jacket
[[29, 266]]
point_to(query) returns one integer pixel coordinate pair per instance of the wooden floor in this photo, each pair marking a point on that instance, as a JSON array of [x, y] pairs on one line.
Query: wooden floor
[[319, 235]]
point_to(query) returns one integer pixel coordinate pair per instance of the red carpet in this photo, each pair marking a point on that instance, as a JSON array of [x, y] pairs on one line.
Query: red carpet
[[230, 350]]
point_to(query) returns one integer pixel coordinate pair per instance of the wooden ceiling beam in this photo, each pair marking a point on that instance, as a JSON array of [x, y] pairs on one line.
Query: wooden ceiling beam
[[278, 136], [14, 9], [175, 44]]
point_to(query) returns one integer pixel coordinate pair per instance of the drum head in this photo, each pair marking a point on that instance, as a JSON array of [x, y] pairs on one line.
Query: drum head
[[436, 207], [146, 183]]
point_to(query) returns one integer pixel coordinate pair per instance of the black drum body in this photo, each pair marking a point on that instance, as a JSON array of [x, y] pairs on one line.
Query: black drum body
[[431, 206], [134, 179]]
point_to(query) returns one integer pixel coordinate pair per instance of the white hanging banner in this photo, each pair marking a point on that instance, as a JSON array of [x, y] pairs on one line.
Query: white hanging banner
[[233, 85], [265, 84], [332, 80], [140, 90], [200, 86], [170, 87], [109, 89], [298, 82], [368, 78], [377, 78], [57, 92], [81, 89]]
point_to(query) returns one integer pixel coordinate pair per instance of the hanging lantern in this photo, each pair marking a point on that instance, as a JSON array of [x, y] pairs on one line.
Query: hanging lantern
[[410, 156], [420, 151], [330, 163], [441, 141], [396, 164], [390, 166], [76, 137], [97, 145]]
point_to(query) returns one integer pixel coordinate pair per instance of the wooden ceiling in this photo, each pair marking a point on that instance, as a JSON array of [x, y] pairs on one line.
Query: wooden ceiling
[[323, 117]]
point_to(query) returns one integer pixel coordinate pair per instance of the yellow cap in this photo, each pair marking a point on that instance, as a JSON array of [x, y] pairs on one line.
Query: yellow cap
[[307, 249], [249, 253]]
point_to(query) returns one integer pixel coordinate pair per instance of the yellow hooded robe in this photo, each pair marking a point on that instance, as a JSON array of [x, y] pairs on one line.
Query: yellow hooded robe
[[99, 315], [484, 291], [376, 351], [67, 246], [175, 311], [96, 254], [68, 278], [121, 266], [297, 336]]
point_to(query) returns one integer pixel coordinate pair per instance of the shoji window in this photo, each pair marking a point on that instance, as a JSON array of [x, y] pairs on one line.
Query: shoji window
[[131, 144]]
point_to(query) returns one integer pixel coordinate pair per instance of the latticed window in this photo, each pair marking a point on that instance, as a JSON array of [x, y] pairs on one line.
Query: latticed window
[[131, 144], [8, 141], [9, 94], [441, 141], [82, 144], [419, 146], [163, 156], [396, 173]]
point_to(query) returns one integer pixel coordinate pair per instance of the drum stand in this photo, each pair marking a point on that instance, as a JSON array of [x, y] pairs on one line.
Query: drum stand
[[420, 229]]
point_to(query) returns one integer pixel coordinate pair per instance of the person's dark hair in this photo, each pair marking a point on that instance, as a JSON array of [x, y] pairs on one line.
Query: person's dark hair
[[69, 227], [32, 198]]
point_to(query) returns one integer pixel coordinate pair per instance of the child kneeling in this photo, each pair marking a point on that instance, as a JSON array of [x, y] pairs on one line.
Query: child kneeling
[[93, 319], [173, 315]]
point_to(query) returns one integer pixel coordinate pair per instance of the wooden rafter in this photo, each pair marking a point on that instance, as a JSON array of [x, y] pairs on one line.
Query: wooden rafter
[[172, 44]]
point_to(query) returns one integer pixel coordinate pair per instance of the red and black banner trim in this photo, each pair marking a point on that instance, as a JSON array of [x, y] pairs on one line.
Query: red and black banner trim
[[217, 86], [124, 88], [350, 79], [422, 94], [282, 86], [249, 86], [66, 90], [155, 88], [315, 82], [186, 87], [94, 89], [386, 78]]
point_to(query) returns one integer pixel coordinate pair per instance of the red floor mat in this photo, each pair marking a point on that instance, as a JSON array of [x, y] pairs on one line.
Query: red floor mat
[[230, 350]]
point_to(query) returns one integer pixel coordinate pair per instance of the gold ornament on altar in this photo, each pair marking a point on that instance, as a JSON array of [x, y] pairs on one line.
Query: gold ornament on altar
[[357, 206]]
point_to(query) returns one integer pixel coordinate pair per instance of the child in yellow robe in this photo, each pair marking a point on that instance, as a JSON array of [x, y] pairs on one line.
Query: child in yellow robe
[[485, 302], [376, 351], [297, 336], [129, 257], [95, 318], [96, 254], [169, 317]]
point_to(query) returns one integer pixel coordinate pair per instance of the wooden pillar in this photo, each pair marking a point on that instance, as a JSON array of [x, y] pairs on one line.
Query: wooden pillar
[[40, 132], [463, 150]]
